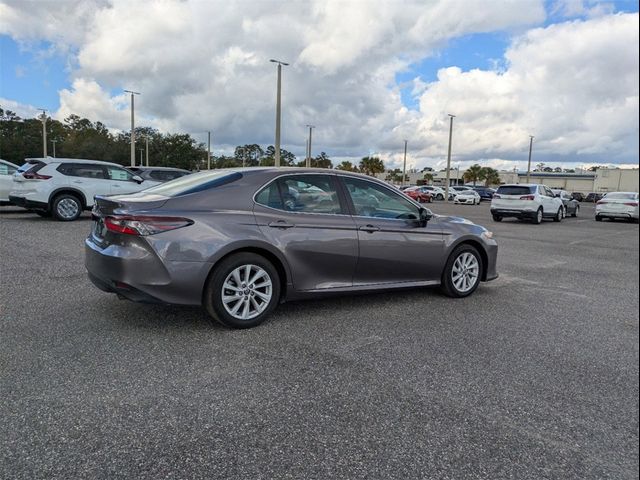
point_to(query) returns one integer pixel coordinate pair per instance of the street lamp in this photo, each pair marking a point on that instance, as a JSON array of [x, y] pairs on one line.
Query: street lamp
[[311, 127], [446, 193], [43, 119], [531, 137], [133, 126], [278, 109], [404, 164], [54, 147]]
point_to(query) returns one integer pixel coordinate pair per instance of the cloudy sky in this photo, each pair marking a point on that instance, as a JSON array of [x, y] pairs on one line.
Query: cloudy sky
[[368, 74]]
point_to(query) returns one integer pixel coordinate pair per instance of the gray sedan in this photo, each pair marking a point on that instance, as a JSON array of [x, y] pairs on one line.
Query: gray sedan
[[241, 241], [571, 205]]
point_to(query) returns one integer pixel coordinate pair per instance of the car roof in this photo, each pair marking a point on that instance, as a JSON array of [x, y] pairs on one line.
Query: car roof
[[70, 160], [145, 169]]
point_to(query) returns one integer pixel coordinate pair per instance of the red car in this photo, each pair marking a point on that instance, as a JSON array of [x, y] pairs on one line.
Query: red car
[[419, 194]]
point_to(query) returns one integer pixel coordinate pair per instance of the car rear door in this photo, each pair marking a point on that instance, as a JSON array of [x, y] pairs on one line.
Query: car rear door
[[304, 217], [393, 246], [89, 178]]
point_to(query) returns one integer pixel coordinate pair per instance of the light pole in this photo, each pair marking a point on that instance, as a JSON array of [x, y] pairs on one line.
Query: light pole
[[54, 147], [446, 193], [209, 150], [141, 152], [529, 164], [43, 119], [133, 126], [311, 127], [458, 173], [278, 109], [146, 148], [404, 164]]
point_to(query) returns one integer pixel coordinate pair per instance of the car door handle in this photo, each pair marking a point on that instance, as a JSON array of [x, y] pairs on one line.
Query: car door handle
[[281, 224], [115, 185], [370, 228], [77, 181]]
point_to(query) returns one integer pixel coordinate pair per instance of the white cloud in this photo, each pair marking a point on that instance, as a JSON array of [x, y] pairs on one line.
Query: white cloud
[[204, 66]]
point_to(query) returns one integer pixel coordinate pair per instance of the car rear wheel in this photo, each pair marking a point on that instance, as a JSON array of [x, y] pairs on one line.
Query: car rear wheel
[[462, 272], [598, 218], [66, 207], [242, 290], [538, 218], [497, 218]]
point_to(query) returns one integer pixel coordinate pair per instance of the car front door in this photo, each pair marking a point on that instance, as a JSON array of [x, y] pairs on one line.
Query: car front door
[[122, 181], [394, 247], [89, 178], [303, 216]]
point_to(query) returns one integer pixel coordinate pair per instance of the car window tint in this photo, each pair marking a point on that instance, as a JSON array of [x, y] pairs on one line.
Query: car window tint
[[270, 196], [515, 190], [164, 175], [373, 200], [309, 194], [82, 170], [120, 174], [6, 169]]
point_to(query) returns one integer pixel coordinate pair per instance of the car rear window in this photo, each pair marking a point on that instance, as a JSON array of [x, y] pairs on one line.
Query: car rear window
[[196, 182], [515, 190], [621, 196], [31, 166]]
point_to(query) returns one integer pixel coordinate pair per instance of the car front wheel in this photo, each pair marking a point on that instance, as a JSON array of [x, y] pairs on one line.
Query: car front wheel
[[462, 272], [559, 215], [242, 290], [575, 212]]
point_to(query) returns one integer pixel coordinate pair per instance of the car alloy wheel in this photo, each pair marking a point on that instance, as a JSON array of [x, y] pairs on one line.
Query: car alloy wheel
[[66, 208], [464, 274], [247, 292], [539, 216]]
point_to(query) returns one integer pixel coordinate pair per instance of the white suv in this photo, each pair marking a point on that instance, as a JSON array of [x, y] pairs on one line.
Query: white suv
[[523, 201], [63, 187]]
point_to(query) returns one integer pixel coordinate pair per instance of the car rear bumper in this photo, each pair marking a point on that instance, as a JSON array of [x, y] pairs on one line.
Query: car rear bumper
[[617, 214], [26, 203], [136, 272], [505, 213]]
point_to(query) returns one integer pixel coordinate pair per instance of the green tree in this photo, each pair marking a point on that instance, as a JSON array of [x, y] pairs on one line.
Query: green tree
[[371, 166], [287, 159], [347, 166], [490, 176], [428, 177], [320, 161], [473, 174]]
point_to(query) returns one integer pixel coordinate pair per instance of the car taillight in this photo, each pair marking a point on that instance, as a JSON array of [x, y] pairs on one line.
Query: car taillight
[[35, 176], [528, 197], [495, 195], [631, 204], [144, 225], [601, 202]]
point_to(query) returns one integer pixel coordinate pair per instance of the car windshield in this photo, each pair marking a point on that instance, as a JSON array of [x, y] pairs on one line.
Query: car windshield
[[515, 190], [620, 196], [193, 183]]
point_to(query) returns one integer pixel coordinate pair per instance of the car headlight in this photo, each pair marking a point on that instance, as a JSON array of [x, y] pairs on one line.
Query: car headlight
[[487, 235]]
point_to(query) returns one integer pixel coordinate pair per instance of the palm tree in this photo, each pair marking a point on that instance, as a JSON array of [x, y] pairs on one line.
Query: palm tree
[[473, 174], [428, 177], [371, 166], [347, 166], [490, 176]]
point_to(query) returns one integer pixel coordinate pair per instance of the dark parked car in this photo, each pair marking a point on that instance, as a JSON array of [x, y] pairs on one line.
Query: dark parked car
[[158, 174], [594, 197], [237, 242], [577, 196], [571, 206], [486, 193]]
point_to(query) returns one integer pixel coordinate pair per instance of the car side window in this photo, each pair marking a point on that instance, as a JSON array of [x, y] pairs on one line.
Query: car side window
[[6, 169], [373, 200], [82, 170], [302, 194], [116, 173]]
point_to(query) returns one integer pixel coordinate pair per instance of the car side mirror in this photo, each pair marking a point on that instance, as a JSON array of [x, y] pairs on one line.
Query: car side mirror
[[138, 179], [425, 216]]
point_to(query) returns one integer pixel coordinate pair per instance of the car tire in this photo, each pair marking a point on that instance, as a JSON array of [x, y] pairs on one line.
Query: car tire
[[66, 207], [454, 282], [440, 197], [497, 218], [558, 216], [537, 220], [598, 218], [254, 303], [575, 212]]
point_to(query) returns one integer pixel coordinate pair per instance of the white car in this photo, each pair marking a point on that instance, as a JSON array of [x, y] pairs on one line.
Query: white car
[[526, 201], [618, 205], [7, 169], [437, 192], [467, 197], [64, 187]]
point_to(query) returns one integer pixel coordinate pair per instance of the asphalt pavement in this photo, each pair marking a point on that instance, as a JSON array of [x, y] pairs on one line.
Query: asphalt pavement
[[534, 376]]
